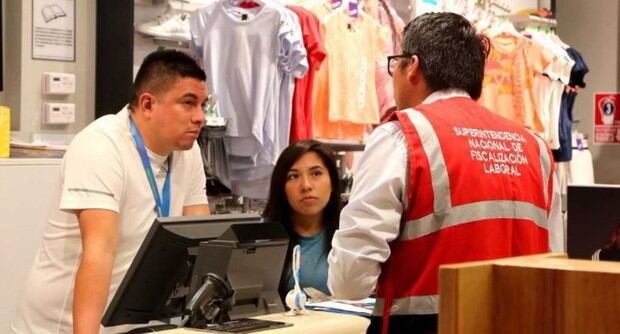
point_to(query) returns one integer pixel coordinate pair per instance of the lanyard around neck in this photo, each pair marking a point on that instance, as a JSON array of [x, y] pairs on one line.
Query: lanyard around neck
[[163, 208]]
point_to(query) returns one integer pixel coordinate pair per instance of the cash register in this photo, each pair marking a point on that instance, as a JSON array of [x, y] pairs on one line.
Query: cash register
[[212, 272]]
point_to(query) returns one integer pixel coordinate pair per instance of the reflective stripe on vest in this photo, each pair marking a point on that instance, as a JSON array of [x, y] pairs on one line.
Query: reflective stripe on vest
[[409, 305], [439, 173], [472, 212]]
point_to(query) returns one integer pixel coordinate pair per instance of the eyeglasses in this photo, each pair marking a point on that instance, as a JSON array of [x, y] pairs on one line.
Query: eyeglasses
[[393, 60]]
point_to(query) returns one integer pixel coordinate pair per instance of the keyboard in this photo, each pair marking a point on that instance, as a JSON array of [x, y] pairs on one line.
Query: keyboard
[[245, 325]]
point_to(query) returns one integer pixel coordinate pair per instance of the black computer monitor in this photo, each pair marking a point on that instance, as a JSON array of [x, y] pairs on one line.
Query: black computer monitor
[[157, 283], [592, 217], [251, 259]]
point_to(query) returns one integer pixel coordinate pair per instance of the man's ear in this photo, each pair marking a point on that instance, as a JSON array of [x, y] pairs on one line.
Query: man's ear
[[145, 103], [414, 72]]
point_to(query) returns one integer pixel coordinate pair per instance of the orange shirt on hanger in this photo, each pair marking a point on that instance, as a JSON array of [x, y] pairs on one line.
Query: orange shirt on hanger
[[509, 79], [322, 126], [354, 46]]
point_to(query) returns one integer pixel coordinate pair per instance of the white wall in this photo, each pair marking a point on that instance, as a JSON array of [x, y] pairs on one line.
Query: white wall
[[592, 28], [24, 75], [26, 197], [3, 39]]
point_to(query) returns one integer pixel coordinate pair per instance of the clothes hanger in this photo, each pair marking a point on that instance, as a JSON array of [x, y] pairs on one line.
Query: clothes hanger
[[309, 4], [246, 4], [337, 8], [557, 39], [504, 28]]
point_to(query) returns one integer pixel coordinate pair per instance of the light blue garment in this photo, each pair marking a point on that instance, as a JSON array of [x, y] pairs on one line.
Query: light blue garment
[[313, 264]]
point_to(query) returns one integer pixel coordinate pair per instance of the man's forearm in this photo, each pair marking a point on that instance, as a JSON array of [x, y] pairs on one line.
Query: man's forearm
[[92, 286]]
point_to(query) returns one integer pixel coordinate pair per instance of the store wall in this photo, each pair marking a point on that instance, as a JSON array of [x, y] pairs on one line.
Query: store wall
[[592, 28], [24, 75], [3, 41]]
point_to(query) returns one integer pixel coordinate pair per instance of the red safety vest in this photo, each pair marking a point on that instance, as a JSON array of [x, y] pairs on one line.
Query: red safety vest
[[478, 187]]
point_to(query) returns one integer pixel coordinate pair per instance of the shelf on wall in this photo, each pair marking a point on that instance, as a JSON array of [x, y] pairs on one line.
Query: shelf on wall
[[171, 43]]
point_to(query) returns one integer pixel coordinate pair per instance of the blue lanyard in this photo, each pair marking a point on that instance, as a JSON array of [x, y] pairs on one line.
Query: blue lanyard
[[163, 209]]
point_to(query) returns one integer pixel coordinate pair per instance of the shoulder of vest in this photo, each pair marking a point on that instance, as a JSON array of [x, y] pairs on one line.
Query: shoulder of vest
[[390, 126]]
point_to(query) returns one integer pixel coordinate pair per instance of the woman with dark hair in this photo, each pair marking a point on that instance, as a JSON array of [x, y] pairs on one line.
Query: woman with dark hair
[[611, 250], [305, 197]]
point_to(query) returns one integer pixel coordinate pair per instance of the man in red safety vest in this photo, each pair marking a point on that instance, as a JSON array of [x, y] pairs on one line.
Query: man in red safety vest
[[444, 181]]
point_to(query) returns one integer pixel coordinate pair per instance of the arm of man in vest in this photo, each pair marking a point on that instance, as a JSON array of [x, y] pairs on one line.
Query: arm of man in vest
[[99, 232], [372, 218]]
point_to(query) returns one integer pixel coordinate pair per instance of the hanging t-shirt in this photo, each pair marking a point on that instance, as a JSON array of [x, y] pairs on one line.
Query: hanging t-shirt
[[292, 64], [240, 50], [509, 73], [251, 57], [353, 45], [383, 81], [322, 126], [578, 72], [548, 88], [250, 178], [301, 123]]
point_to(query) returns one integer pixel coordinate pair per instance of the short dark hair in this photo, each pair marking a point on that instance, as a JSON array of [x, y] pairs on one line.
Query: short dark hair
[[160, 69], [278, 208], [452, 54]]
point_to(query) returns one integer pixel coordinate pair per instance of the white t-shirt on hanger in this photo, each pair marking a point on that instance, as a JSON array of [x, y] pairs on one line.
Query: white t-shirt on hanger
[[251, 58], [549, 90], [241, 51]]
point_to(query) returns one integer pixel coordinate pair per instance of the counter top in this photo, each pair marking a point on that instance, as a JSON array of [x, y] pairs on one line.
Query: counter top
[[311, 322]]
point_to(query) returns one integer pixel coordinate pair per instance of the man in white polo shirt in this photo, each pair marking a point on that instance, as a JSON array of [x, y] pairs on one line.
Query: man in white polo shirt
[[118, 174]]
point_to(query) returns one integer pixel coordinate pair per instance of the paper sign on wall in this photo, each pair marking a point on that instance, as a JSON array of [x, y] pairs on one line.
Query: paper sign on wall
[[53, 29], [606, 118]]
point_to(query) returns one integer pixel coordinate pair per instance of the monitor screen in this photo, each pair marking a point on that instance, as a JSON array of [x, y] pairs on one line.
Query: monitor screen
[[592, 217], [156, 284]]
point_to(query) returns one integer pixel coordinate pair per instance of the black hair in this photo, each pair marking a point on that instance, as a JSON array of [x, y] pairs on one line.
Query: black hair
[[451, 53], [614, 240], [278, 208], [160, 69]]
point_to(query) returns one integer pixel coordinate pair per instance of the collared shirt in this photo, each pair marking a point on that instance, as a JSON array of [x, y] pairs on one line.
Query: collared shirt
[[372, 218]]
